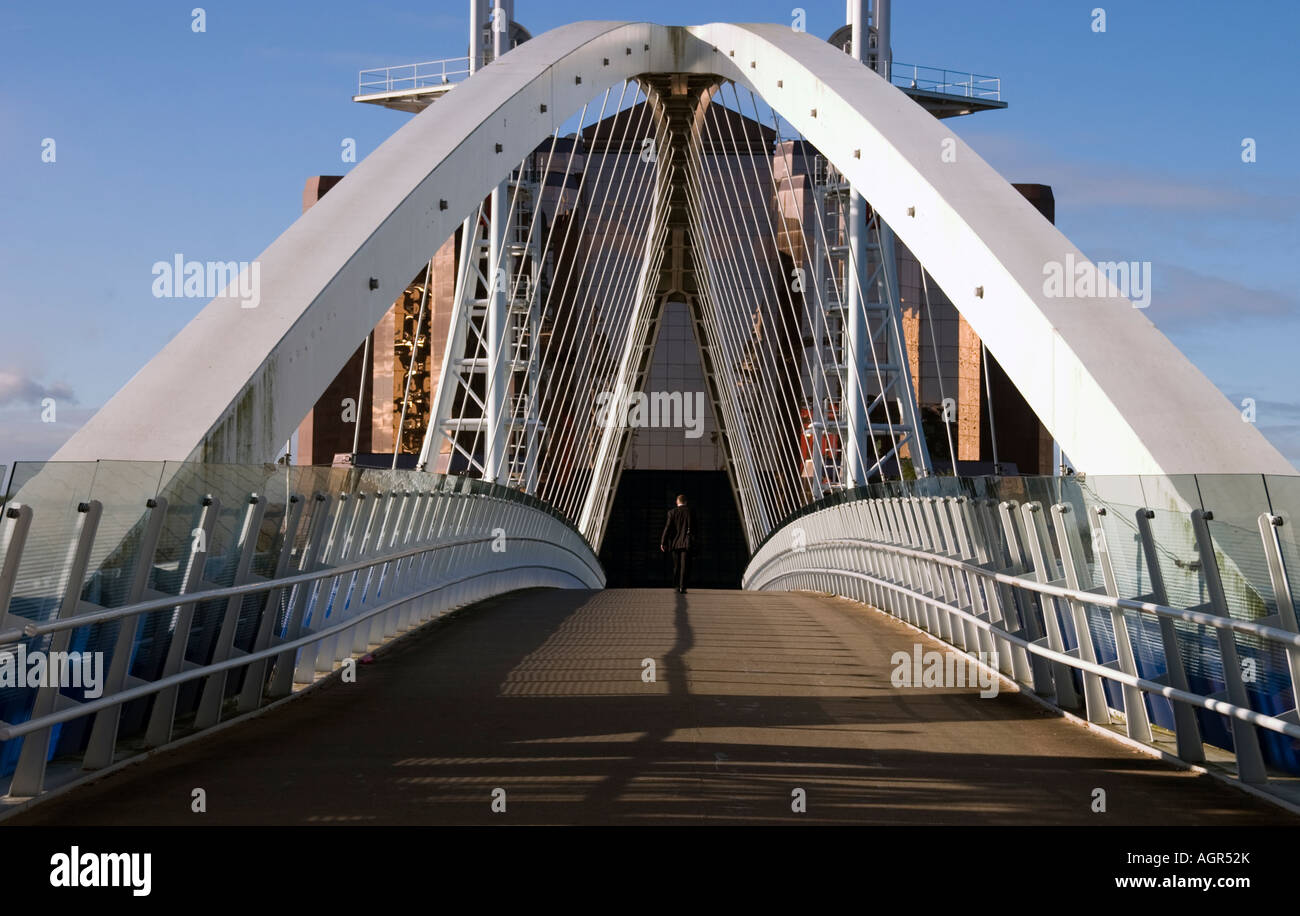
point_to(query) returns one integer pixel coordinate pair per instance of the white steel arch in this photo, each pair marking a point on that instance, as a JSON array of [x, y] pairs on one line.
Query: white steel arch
[[1113, 390], [1117, 395]]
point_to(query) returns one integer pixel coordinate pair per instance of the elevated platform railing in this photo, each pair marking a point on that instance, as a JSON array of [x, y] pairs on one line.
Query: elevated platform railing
[[431, 74], [1165, 606], [946, 82], [410, 77], [159, 611]]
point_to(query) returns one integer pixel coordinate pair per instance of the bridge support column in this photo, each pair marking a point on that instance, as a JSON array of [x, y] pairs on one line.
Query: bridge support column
[[495, 465], [857, 341], [498, 340], [857, 338], [862, 361]]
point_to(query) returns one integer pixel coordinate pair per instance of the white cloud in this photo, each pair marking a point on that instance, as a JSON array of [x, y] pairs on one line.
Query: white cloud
[[19, 388]]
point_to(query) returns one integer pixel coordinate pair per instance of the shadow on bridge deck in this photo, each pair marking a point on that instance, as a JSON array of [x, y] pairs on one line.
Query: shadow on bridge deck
[[541, 694]]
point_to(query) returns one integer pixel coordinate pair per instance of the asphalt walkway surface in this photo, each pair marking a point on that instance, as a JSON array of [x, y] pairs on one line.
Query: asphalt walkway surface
[[761, 703]]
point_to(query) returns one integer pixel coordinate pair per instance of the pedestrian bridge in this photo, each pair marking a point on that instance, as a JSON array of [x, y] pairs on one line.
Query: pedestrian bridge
[[444, 637], [764, 708], [443, 633]]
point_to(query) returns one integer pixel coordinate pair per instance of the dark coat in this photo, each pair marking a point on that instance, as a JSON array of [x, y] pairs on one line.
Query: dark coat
[[678, 531]]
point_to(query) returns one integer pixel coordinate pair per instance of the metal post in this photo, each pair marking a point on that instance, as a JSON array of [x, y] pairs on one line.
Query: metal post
[[954, 521], [159, 730], [21, 516], [250, 695], [1073, 567], [498, 320], [282, 679], [103, 734], [386, 624], [858, 344], [355, 597], [998, 596], [498, 338], [1036, 539], [475, 36], [443, 424], [1135, 707], [29, 775], [1285, 618], [857, 337], [533, 420], [820, 393], [884, 55], [1245, 740], [1187, 730], [318, 610], [1022, 602], [214, 688]]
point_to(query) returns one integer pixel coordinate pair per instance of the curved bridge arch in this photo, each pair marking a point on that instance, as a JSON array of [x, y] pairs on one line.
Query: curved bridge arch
[[235, 382]]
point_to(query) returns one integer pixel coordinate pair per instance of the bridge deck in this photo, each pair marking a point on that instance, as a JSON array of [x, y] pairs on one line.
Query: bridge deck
[[541, 694]]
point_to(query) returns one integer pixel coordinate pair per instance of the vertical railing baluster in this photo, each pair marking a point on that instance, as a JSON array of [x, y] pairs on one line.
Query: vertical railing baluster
[[388, 587], [21, 517], [977, 638], [1049, 671], [392, 513], [282, 678], [1285, 619], [214, 687], [1044, 570], [321, 607], [1072, 565], [103, 733], [162, 716], [250, 695], [1245, 740], [1136, 720], [1187, 730], [29, 775], [354, 597]]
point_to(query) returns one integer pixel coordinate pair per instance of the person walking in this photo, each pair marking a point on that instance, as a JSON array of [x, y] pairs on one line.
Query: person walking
[[677, 538]]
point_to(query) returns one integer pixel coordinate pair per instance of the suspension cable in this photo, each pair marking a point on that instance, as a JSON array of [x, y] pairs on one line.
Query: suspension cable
[[840, 294], [938, 366], [988, 395], [573, 379]]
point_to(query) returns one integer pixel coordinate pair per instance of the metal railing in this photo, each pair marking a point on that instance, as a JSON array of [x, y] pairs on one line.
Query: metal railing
[[1075, 604], [406, 77], [946, 82], [201, 613]]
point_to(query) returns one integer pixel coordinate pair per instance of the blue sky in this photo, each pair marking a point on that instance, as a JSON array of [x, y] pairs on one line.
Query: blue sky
[[170, 141]]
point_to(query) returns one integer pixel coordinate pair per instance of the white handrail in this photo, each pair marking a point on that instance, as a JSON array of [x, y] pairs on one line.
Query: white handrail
[[405, 77], [414, 555], [1055, 591], [955, 568], [946, 82], [1228, 709]]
